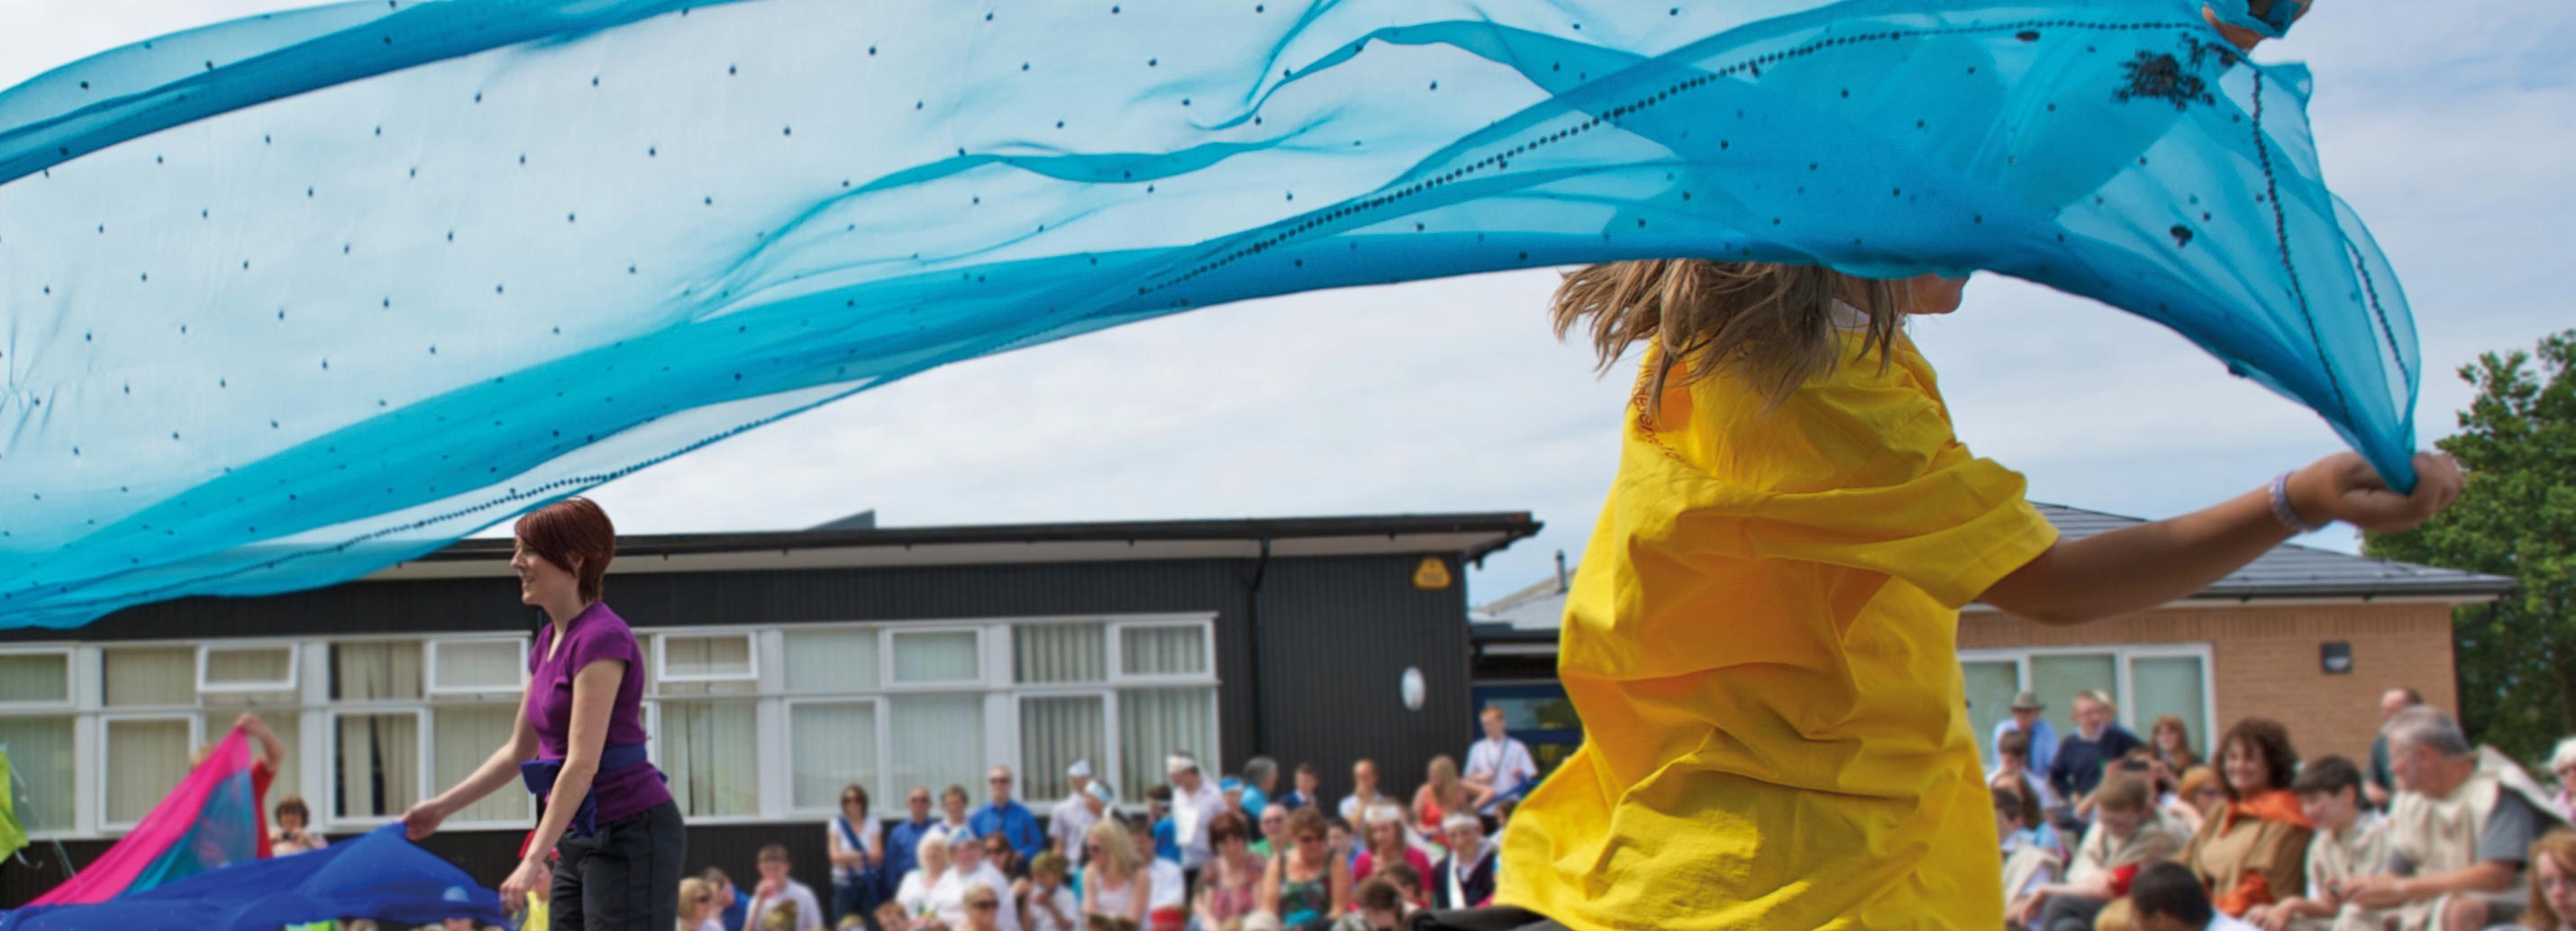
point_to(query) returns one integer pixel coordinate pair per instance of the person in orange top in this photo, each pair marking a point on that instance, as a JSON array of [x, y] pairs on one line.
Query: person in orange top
[[1762, 642], [2254, 849]]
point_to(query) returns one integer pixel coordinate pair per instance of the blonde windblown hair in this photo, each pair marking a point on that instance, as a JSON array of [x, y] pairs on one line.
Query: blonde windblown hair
[[1768, 324]]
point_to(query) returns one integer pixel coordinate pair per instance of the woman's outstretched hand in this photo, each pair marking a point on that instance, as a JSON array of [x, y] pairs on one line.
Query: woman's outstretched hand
[[2343, 487], [422, 820]]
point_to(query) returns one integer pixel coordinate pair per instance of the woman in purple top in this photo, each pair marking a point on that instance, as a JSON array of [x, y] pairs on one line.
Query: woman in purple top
[[579, 743]]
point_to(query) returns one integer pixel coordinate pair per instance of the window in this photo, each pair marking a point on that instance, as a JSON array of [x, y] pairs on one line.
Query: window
[[836, 660], [246, 668], [723, 657], [2145, 682], [148, 676], [387, 670], [465, 736], [709, 750], [36, 679], [831, 744], [937, 741], [1056, 730], [1054, 653], [478, 666], [1154, 724], [376, 762], [938, 657], [142, 758], [1164, 651], [45, 773]]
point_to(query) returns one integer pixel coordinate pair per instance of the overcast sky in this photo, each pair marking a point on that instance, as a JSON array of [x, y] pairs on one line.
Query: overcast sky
[[2451, 132]]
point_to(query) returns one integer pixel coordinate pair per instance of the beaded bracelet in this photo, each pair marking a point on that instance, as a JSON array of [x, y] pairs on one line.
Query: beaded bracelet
[[2287, 515]]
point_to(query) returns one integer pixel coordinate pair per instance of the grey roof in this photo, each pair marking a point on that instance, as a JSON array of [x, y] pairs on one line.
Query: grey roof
[[2288, 571]]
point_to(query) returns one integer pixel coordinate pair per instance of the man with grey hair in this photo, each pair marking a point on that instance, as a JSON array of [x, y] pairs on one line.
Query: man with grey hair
[[2378, 786], [2462, 825]]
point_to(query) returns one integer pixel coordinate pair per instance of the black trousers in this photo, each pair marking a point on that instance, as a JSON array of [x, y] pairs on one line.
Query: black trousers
[[1482, 919], [625, 879]]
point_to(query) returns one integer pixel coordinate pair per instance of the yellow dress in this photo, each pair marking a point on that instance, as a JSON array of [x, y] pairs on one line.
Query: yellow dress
[[1762, 644]]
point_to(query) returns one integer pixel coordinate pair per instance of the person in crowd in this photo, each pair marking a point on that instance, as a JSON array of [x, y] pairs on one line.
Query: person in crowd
[[1158, 815], [1071, 818], [856, 846], [984, 909], [931, 867], [294, 832], [903, 842], [1260, 785], [779, 894], [1443, 792], [2553, 883], [2081, 756], [2170, 740], [1005, 858], [1046, 901], [1465, 877], [1006, 818], [2562, 764], [2034, 817], [1364, 792], [1308, 881], [1345, 842], [1167, 903], [2459, 831], [2380, 785], [2166, 897], [2126, 834], [1195, 802], [952, 810], [1231, 788], [737, 903], [1387, 844], [2348, 844], [1499, 765], [1229, 886], [968, 868], [1308, 793], [1108, 923], [2253, 850], [1416, 896], [890, 917], [2195, 797], [1274, 831], [2037, 734], [1377, 905], [1115, 880], [700, 910], [2028, 865], [2013, 770], [578, 741]]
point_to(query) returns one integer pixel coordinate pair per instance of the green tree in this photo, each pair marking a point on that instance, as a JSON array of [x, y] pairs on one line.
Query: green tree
[[2517, 518]]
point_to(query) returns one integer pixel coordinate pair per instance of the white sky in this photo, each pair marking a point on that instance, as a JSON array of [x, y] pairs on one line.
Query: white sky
[[2452, 133]]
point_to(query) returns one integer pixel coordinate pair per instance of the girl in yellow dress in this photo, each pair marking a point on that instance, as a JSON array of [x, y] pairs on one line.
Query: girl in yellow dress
[[1762, 638]]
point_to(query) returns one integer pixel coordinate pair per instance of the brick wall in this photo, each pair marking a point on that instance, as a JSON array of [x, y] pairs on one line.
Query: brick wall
[[2266, 659]]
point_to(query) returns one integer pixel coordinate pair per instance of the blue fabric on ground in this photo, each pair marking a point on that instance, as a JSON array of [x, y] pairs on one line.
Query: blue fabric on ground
[[380, 875]]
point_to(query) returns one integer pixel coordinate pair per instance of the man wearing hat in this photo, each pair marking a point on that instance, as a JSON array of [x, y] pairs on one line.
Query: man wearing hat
[[1005, 816], [1195, 802], [1076, 813], [2026, 719]]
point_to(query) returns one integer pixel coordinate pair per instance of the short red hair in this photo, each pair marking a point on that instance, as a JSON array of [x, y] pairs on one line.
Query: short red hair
[[569, 531]]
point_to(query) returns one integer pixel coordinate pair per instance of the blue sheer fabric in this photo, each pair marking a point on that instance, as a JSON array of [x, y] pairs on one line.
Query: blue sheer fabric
[[291, 298]]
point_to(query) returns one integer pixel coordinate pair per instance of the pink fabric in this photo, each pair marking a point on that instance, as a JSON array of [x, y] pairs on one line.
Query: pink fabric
[[165, 827]]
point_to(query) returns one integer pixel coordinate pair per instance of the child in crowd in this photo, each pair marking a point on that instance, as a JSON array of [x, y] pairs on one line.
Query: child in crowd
[[2028, 865], [2167, 897], [1161, 827], [779, 896], [2125, 836], [1378, 905], [1047, 904], [2348, 844]]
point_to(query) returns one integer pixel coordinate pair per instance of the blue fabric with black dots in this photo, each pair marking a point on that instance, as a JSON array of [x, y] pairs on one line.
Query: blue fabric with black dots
[[295, 297]]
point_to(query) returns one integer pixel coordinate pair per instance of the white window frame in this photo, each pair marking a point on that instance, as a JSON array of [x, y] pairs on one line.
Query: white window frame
[[421, 737], [106, 722], [981, 682], [429, 682], [787, 753], [1118, 674], [71, 680], [661, 654], [2122, 654], [205, 651]]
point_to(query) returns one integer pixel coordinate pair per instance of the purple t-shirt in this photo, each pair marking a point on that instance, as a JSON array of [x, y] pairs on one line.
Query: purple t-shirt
[[596, 633]]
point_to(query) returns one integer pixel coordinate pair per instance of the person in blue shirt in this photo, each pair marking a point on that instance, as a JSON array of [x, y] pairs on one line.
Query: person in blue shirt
[[1310, 785], [2025, 718], [1260, 779], [1158, 809], [1008, 818], [903, 843], [740, 907]]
